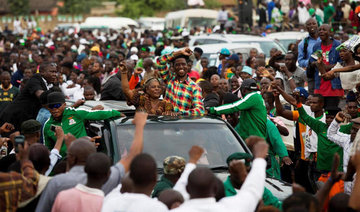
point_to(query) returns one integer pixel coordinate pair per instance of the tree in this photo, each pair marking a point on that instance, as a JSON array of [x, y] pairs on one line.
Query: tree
[[75, 7], [19, 7], [135, 9]]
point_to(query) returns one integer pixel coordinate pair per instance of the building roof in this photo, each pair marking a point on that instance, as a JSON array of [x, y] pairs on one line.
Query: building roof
[[39, 5]]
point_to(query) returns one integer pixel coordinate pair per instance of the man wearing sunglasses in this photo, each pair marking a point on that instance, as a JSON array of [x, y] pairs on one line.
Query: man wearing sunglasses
[[71, 120]]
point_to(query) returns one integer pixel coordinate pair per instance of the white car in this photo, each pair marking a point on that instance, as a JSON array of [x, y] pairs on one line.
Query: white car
[[285, 38], [212, 51], [266, 44]]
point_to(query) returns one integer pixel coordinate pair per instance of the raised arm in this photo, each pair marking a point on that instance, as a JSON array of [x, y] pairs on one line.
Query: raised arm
[[194, 155], [280, 108], [241, 104], [138, 142], [334, 134], [55, 152], [323, 193], [253, 188], [125, 82]]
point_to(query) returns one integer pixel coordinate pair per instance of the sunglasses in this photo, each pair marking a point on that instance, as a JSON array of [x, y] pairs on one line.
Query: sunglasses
[[55, 106]]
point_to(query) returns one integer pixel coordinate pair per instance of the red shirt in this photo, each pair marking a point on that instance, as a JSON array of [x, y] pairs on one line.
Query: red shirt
[[325, 85]]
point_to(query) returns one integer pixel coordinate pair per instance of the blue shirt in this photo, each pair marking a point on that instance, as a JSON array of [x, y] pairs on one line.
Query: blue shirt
[[270, 7], [43, 115], [304, 59]]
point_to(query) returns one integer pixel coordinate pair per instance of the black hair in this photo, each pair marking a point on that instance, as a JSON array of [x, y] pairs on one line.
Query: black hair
[[95, 81], [43, 66], [143, 170], [181, 56], [199, 50], [339, 203], [300, 200], [39, 156], [43, 97], [321, 97], [206, 86], [270, 95], [211, 71], [97, 165]]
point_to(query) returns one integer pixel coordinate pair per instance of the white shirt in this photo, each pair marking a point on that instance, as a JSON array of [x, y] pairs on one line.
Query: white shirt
[[245, 200], [222, 16], [303, 15], [348, 79], [343, 140], [320, 13], [132, 202], [310, 137]]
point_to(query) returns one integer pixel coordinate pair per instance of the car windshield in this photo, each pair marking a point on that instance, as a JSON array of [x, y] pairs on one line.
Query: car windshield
[[287, 42], [163, 139], [200, 22], [265, 46]]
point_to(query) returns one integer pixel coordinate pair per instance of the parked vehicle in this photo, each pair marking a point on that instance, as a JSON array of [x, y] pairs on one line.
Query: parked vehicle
[[165, 136], [152, 23], [266, 44], [211, 51], [116, 23], [285, 38], [190, 18]]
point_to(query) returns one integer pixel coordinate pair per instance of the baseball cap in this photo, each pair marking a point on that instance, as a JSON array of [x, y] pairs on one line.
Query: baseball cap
[[249, 84], [55, 98], [174, 165], [134, 57], [225, 51], [95, 49], [311, 11], [239, 156], [134, 49], [247, 69], [303, 92], [30, 126], [234, 57]]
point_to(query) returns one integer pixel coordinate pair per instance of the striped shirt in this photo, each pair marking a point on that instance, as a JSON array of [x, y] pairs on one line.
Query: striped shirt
[[186, 96], [16, 187]]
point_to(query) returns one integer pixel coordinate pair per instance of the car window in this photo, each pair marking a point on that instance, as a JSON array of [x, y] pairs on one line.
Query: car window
[[163, 140], [266, 46], [214, 41]]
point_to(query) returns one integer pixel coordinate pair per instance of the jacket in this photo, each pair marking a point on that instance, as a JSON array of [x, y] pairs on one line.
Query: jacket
[[334, 58]]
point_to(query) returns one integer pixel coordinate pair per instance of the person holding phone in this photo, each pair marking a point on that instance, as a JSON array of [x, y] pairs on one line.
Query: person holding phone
[[71, 120]]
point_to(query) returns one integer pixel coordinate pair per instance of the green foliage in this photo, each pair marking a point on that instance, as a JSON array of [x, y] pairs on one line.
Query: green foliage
[[135, 9], [19, 7], [76, 7], [212, 4]]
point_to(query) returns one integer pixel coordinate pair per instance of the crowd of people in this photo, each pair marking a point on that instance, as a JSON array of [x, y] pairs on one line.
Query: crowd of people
[[298, 114]]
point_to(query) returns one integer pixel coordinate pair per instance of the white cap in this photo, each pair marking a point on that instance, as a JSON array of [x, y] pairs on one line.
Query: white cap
[[84, 41], [134, 49], [134, 57]]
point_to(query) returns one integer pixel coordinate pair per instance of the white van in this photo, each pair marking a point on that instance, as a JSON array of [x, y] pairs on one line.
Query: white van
[[152, 23], [116, 23], [190, 18]]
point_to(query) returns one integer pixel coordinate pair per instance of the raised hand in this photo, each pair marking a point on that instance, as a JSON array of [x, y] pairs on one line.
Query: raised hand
[[260, 149], [340, 117], [195, 154], [6, 128]]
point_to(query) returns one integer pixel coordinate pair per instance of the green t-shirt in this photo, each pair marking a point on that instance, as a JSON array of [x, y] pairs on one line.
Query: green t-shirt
[[325, 148], [328, 12], [162, 185], [276, 147], [253, 115], [73, 122], [268, 198], [7, 96]]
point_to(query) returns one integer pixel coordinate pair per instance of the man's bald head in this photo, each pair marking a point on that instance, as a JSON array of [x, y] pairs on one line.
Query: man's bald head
[[79, 151], [201, 183], [126, 184]]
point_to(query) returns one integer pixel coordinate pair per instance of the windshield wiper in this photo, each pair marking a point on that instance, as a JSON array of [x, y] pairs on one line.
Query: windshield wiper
[[219, 168]]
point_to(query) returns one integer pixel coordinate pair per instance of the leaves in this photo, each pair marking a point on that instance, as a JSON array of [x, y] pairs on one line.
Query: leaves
[[19, 7]]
